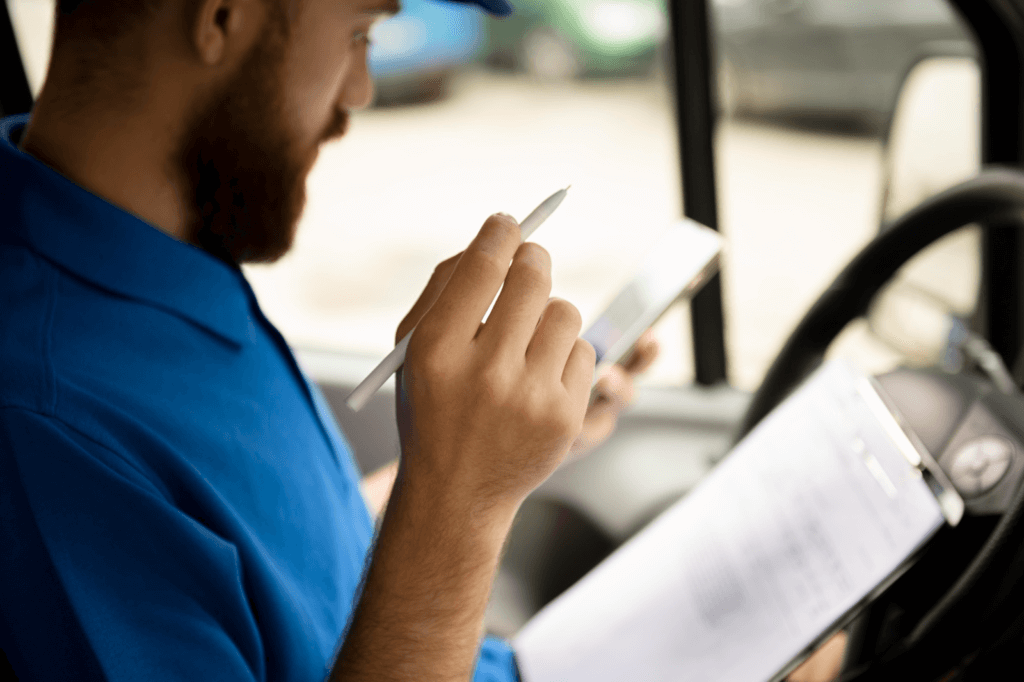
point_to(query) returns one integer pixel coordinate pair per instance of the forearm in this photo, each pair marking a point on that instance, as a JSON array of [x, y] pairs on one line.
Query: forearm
[[420, 615]]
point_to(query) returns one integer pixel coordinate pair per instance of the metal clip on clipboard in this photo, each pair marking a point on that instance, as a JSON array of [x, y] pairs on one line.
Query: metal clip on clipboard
[[911, 447]]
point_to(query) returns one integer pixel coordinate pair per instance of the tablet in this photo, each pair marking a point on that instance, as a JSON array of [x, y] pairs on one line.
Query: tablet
[[817, 510], [679, 262]]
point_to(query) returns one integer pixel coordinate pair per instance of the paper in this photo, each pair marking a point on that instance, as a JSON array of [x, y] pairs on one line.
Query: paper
[[808, 515]]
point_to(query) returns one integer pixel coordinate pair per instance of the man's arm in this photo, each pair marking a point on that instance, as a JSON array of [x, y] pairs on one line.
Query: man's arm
[[485, 413]]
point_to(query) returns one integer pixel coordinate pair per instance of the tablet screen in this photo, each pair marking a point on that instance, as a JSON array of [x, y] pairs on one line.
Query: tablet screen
[[678, 263], [817, 508]]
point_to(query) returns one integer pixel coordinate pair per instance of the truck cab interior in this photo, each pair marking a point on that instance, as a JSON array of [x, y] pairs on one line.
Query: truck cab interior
[[929, 294]]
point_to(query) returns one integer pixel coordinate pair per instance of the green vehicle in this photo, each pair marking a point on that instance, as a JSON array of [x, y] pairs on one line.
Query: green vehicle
[[560, 39]]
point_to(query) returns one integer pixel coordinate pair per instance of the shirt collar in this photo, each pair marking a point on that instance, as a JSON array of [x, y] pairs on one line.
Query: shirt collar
[[112, 248]]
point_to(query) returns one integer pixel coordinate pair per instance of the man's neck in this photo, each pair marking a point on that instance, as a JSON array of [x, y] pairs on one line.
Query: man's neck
[[125, 158]]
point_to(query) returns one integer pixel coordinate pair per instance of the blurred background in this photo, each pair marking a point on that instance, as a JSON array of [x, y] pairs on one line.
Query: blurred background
[[834, 116]]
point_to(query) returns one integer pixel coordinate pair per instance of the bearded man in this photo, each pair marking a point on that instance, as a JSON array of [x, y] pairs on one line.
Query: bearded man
[[175, 500]]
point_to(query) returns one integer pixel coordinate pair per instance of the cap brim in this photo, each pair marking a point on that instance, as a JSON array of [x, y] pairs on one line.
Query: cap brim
[[499, 8]]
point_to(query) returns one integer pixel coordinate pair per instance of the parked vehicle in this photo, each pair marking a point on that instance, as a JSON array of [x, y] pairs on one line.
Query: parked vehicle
[[571, 38], [828, 58], [414, 54]]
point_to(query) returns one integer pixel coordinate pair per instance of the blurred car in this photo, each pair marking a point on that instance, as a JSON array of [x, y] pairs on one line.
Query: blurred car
[[828, 58], [559, 39], [414, 54]]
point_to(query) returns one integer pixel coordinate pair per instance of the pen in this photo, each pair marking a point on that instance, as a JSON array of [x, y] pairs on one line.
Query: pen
[[362, 393]]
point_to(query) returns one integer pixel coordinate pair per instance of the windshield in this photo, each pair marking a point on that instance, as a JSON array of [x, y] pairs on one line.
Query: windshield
[[834, 117]]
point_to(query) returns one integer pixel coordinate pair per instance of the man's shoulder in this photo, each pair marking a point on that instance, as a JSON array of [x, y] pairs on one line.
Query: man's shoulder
[[59, 331], [38, 299], [27, 296]]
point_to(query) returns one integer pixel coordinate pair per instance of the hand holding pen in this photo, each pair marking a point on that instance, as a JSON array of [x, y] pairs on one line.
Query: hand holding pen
[[390, 364], [487, 411]]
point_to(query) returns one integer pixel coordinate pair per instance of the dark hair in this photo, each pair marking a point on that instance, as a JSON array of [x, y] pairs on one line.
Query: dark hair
[[88, 44], [99, 20], [108, 7], [68, 6]]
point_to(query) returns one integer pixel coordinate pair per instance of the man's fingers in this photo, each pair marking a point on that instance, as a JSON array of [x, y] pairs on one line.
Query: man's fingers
[[644, 353], [514, 318], [554, 337], [579, 371], [824, 664], [598, 425], [616, 386], [434, 287], [474, 281]]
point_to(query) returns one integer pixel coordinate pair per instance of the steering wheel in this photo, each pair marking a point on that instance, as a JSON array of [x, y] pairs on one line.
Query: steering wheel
[[995, 194]]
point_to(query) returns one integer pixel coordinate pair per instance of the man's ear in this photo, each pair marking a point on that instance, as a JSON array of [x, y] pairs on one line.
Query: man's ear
[[224, 28]]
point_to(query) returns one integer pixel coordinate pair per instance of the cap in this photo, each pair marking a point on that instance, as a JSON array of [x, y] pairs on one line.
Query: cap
[[499, 8]]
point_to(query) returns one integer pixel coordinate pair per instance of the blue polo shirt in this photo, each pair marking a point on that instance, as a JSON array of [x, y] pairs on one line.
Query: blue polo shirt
[[176, 501]]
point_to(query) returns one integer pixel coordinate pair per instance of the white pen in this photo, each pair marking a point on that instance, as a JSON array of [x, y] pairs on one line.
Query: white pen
[[362, 393]]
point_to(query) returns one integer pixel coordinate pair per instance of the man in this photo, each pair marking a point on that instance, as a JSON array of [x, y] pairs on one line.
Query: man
[[175, 502]]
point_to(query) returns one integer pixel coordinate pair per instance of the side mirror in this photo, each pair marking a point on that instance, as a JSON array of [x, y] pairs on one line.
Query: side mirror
[[933, 139], [932, 143]]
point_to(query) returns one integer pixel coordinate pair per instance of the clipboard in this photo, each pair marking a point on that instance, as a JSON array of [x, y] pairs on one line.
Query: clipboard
[[817, 511]]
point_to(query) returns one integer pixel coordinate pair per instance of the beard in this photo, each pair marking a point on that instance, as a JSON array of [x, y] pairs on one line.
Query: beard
[[246, 171]]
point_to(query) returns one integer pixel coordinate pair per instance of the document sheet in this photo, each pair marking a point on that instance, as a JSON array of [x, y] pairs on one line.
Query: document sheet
[[808, 515]]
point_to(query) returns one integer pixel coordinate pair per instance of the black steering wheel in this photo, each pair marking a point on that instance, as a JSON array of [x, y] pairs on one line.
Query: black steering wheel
[[994, 195]]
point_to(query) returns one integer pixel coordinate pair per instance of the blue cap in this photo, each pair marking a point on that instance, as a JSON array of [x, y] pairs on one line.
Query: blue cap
[[499, 8]]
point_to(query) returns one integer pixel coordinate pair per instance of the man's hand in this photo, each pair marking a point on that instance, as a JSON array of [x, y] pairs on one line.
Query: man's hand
[[613, 393], [485, 413], [490, 410], [825, 664]]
